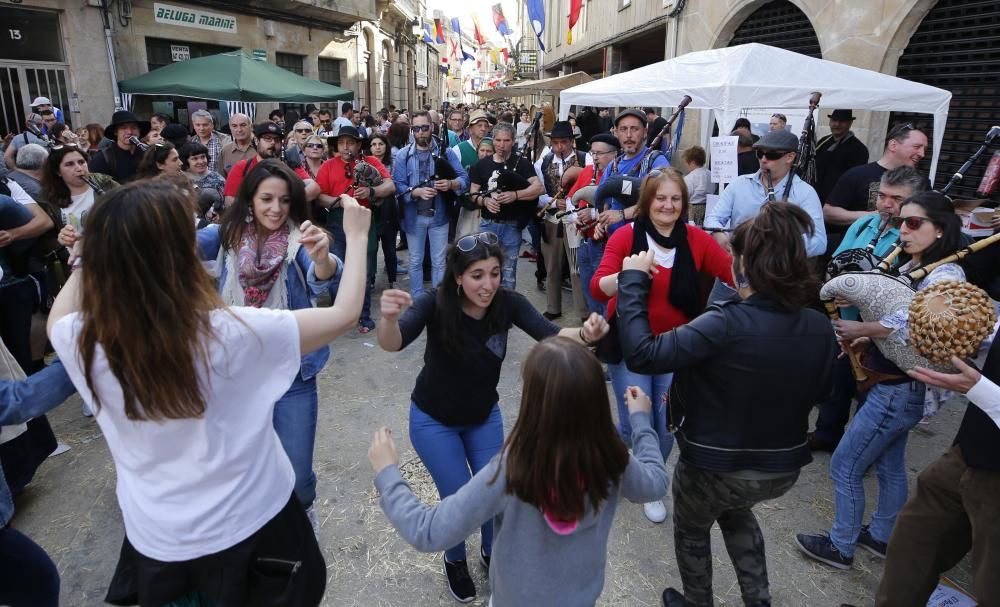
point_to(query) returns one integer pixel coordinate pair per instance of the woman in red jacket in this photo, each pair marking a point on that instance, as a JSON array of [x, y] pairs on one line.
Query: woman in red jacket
[[682, 251]]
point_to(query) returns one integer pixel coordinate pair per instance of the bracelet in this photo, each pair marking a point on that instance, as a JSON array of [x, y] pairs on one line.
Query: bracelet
[[515, 195], [584, 339]]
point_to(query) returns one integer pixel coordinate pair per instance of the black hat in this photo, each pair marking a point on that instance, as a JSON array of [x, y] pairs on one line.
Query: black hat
[[268, 128], [349, 131], [777, 140], [640, 115], [623, 188], [561, 130], [841, 115], [607, 138], [175, 133], [124, 117]]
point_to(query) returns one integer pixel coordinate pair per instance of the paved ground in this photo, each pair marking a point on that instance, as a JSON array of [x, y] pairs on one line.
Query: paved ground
[[71, 509]]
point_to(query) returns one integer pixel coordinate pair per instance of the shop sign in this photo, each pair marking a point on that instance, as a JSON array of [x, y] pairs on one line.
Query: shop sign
[[179, 53], [192, 17], [260, 54]]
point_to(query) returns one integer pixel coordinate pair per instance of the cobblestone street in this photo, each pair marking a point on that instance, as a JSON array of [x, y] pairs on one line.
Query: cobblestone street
[[71, 510]]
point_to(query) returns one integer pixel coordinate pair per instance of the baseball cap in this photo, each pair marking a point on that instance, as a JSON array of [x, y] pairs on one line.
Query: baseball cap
[[633, 112], [268, 128], [777, 140], [41, 101]]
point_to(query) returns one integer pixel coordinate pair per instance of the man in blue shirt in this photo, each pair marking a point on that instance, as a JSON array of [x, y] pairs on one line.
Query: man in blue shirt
[[636, 160], [742, 199], [896, 186]]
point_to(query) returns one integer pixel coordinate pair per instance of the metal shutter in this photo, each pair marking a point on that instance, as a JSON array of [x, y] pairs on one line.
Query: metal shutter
[[779, 23], [957, 47]]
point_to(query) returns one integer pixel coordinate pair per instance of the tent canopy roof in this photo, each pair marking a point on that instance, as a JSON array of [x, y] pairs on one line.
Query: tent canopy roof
[[233, 76], [545, 85], [748, 76]]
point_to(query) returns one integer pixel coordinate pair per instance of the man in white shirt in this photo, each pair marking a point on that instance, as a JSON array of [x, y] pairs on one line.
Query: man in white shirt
[[345, 118]]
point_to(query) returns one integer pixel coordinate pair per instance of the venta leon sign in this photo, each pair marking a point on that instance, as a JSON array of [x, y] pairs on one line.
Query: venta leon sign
[[190, 17]]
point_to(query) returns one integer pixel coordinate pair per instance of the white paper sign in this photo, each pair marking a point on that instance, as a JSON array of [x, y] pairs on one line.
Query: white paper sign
[[180, 53], [724, 160]]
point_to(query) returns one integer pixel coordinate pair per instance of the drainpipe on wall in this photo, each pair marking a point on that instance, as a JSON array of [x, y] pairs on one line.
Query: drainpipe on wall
[[112, 63]]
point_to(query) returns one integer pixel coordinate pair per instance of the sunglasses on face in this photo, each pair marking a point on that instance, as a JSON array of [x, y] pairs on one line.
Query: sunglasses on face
[[770, 154], [911, 223], [420, 128], [467, 243], [315, 146], [303, 130]]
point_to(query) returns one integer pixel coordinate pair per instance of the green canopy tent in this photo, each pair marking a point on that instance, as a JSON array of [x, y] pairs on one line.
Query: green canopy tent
[[233, 76]]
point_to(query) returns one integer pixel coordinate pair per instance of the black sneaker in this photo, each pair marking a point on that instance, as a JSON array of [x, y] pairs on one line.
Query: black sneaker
[[672, 598], [459, 581], [821, 548], [866, 541], [552, 315], [484, 560]]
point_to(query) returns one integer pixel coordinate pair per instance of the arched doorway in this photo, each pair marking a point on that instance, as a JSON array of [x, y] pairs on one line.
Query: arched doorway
[[957, 48], [782, 24]]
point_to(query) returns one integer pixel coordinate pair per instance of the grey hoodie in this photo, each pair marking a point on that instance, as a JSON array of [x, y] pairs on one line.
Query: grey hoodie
[[531, 564]]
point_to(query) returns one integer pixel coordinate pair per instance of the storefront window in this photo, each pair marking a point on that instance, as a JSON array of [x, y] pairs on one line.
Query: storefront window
[[27, 35], [160, 52]]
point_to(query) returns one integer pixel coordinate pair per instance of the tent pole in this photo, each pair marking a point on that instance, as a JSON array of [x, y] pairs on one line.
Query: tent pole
[[112, 62]]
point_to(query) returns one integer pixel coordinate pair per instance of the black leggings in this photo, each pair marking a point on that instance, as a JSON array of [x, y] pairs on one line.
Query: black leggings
[[28, 577]]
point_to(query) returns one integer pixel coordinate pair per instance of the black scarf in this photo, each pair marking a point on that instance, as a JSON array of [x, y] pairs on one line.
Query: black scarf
[[683, 292]]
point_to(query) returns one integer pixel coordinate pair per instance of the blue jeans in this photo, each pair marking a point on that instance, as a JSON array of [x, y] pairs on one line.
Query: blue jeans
[[366, 306], [656, 386], [295, 423], [835, 409], [422, 231], [510, 242], [877, 435], [588, 258], [448, 452], [27, 574]]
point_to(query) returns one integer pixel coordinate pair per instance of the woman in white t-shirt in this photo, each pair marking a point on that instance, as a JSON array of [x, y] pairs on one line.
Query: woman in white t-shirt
[[183, 389], [64, 186], [698, 181]]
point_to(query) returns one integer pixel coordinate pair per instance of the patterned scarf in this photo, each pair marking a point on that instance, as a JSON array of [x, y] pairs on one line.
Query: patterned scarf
[[260, 269]]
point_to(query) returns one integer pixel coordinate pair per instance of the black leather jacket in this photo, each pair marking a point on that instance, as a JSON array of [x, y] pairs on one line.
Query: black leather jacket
[[746, 376]]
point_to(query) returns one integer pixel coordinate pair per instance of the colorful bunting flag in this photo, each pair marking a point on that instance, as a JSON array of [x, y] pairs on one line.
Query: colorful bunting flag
[[477, 31], [536, 16], [457, 28], [500, 21], [438, 31], [428, 37], [575, 6]]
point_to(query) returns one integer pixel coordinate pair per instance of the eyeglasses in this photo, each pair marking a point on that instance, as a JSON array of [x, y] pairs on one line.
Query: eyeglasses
[[911, 223], [315, 146], [420, 128], [303, 130], [780, 117], [770, 154], [467, 243], [593, 153]]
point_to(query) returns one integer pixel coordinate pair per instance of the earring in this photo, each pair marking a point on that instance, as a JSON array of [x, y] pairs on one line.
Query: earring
[[458, 291], [249, 218], [939, 235]]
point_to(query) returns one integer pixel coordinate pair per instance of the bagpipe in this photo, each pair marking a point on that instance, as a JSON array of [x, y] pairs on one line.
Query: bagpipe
[[442, 171], [805, 157], [508, 180], [944, 319], [571, 170], [363, 174], [142, 147]]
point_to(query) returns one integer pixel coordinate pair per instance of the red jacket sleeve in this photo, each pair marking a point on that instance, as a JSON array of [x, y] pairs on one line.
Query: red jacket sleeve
[[584, 179], [234, 179], [711, 258], [618, 248]]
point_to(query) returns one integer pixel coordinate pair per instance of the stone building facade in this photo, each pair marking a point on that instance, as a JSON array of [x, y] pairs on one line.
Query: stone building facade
[[952, 44]]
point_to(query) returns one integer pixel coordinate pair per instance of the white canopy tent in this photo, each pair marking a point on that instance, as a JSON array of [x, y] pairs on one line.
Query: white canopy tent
[[543, 86], [731, 80]]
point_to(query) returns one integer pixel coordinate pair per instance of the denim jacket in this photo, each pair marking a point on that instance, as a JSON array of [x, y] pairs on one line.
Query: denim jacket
[[23, 400], [301, 294], [406, 175]]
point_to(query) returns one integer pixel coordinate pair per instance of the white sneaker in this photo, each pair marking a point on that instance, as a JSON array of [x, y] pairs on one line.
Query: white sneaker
[[656, 512], [313, 519], [86, 411]]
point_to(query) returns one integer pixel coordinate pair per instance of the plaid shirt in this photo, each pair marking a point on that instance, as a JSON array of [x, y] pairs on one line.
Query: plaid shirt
[[214, 146]]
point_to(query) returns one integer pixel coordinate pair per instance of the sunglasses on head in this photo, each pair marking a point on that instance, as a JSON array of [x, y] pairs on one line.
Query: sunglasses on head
[[60, 146], [911, 223], [770, 154], [467, 243], [420, 128], [780, 117]]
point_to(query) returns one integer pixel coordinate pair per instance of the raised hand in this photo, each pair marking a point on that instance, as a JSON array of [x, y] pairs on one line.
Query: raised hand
[[382, 452], [645, 262], [637, 401], [357, 218], [67, 235], [595, 328], [394, 302], [316, 241]]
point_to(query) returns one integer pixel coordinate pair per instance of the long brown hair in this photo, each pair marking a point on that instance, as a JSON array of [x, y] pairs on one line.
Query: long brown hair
[[564, 446], [53, 186], [234, 218], [770, 252], [146, 300]]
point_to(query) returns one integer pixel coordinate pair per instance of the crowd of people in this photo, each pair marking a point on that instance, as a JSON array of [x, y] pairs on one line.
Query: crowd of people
[[190, 283]]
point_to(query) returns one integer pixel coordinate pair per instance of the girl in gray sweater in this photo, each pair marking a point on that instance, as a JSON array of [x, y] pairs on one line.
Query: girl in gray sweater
[[552, 491]]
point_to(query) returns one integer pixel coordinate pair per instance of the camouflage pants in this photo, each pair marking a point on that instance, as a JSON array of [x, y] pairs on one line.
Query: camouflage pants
[[700, 499]]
